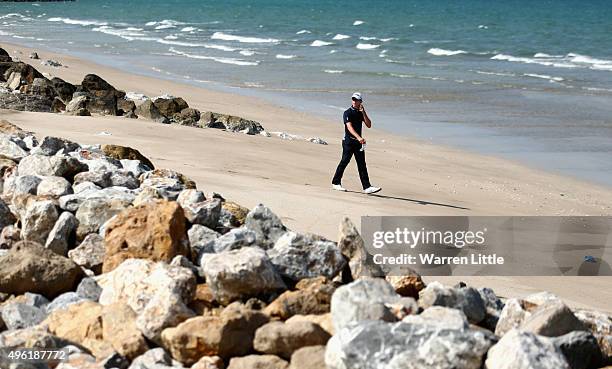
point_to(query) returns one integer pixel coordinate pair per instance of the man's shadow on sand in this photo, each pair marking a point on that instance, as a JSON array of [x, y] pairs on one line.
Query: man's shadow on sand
[[420, 202]]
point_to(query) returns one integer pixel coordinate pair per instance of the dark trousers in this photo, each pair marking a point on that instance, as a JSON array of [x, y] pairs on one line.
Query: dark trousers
[[352, 147]]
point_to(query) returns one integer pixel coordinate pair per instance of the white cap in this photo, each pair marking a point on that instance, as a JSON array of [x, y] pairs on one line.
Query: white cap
[[356, 95]]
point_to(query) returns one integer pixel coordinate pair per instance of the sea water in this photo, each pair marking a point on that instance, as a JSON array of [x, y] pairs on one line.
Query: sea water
[[526, 80]]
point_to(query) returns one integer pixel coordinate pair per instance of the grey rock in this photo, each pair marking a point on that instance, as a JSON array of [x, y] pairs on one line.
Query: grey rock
[[235, 239], [136, 167], [266, 225], [580, 349], [493, 308], [42, 165], [352, 246], [23, 102], [63, 301], [368, 299], [35, 299], [167, 188], [94, 212], [118, 194], [148, 110], [26, 185], [90, 253], [440, 316], [466, 299], [10, 147], [182, 261], [124, 179], [100, 178], [205, 213], [552, 319], [63, 234], [512, 316], [39, 219], [52, 145], [241, 273], [18, 315], [156, 358], [53, 186], [201, 240], [378, 344], [298, 256], [6, 217], [89, 289], [525, 350], [77, 105], [189, 197], [230, 123]]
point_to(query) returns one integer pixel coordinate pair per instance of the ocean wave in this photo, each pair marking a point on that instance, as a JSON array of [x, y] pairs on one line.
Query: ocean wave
[[333, 71], [495, 73], [544, 55], [302, 32], [282, 56], [233, 61], [367, 46], [195, 44], [367, 38], [165, 26], [123, 33], [79, 22], [15, 15], [227, 37], [482, 26], [548, 62], [544, 76], [165, 22], [171, 37], [247, 52], [340, 36], [358, 22], [318, 43], [442, 52], [188, 29]]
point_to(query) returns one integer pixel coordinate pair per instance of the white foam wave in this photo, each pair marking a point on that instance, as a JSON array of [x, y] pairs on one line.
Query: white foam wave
[[165, 26], [194, 44], [171, 37], [165, 22], [367, 38], [233, 61], [15, 15], [302, 32], [228, 37], [482, 26], [333, 71], [123, 33], [495, 73], [544, 76], [188, 29], [358, 22], [544, 55], [442, 52], [539, 61], [340, 36], [367, 46], [79, 22], [282, 56], [247, 52], [319, 43]]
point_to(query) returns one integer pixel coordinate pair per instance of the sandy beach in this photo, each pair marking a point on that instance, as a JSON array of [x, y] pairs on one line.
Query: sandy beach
[[293, 177]]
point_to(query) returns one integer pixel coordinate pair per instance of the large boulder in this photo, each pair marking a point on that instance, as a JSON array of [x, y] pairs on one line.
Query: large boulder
[[312, 296], [63, 234], [377, 344], [63, 89], [282, 339], [12, 148], [23, 102], [258, 362], [170, 106], [230, 123], [600, 325], [552, 319], [78, 105], [51, 145], [28, 267], [20, 74], [119, 328], [148, 110], [241, 273], [206, 213], [524, 350], [103, 95], [90, 253], [352, 246], [39, 220], [43, 165], [296, 256], [187, 117], [54, 187], [94, 212], [6, 216], [309, 357], [119, 152], [4, 56], [267, 226], [154, 230], [466, 299], [580, 349]]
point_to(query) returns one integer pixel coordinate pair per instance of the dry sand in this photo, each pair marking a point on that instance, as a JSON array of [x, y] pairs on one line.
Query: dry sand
[[293, 177]]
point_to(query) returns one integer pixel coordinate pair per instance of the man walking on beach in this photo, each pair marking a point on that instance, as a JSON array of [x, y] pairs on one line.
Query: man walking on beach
[[354, 144]]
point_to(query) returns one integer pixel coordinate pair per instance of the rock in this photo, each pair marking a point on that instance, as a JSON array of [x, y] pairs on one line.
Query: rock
[[124, 179], [104, 96], [57, 106], [63, 301], [162, 314], [18, 315], [6, 217], [230, 123], [148, 110], [377, 344], [171, 106], [241, 273], [552, 319], [309, 298], [164, 188], [52, 63], [90, 192], [407, 285], [124, 152], [296, 256], [465, 299], [283, 339], [266, 225], [34, 55], [63, 89], [78, 106], [136, 167], [39, 220], [524, 350], [22, 73], [182, 179], [201, 240], [156, 358], [89, 289], [90, 253], [258, 362], [63, 234], [493, 307], [205, 213], [11, 149], [4, 56], [368, 299], [23, 102], [237, 211], [9, 235], [124, 106], [189, 197], [310, 357], [512, 316], [184, 262], [209, 362], [94, 212], [120, 330], [154, 231], [234, 239], [42, 165], [26, 185], [227, 335], [54, 187], [440, 316], [187, 117], [317, 140], [322, 320], [580, 349], [52, 145], [600, 324], [352, 246]]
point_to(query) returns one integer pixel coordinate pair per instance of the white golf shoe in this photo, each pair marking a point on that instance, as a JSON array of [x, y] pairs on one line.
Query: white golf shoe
[[339, 188], [370, 190]]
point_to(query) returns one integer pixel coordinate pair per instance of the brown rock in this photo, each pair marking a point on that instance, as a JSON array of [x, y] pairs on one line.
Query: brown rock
[[168, 173], [238, 211], [169, 107], [124, 152], [258, 362], [323, 320], [309, 357], [230, 334], [119, 329], [283, 339], [552, 319], [313, 296], [154, 230], [407, 285], [28, 267], [203, 302], [125, 106]]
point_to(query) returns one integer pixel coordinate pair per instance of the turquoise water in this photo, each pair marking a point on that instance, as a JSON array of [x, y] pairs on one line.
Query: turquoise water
[[527, 80]]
